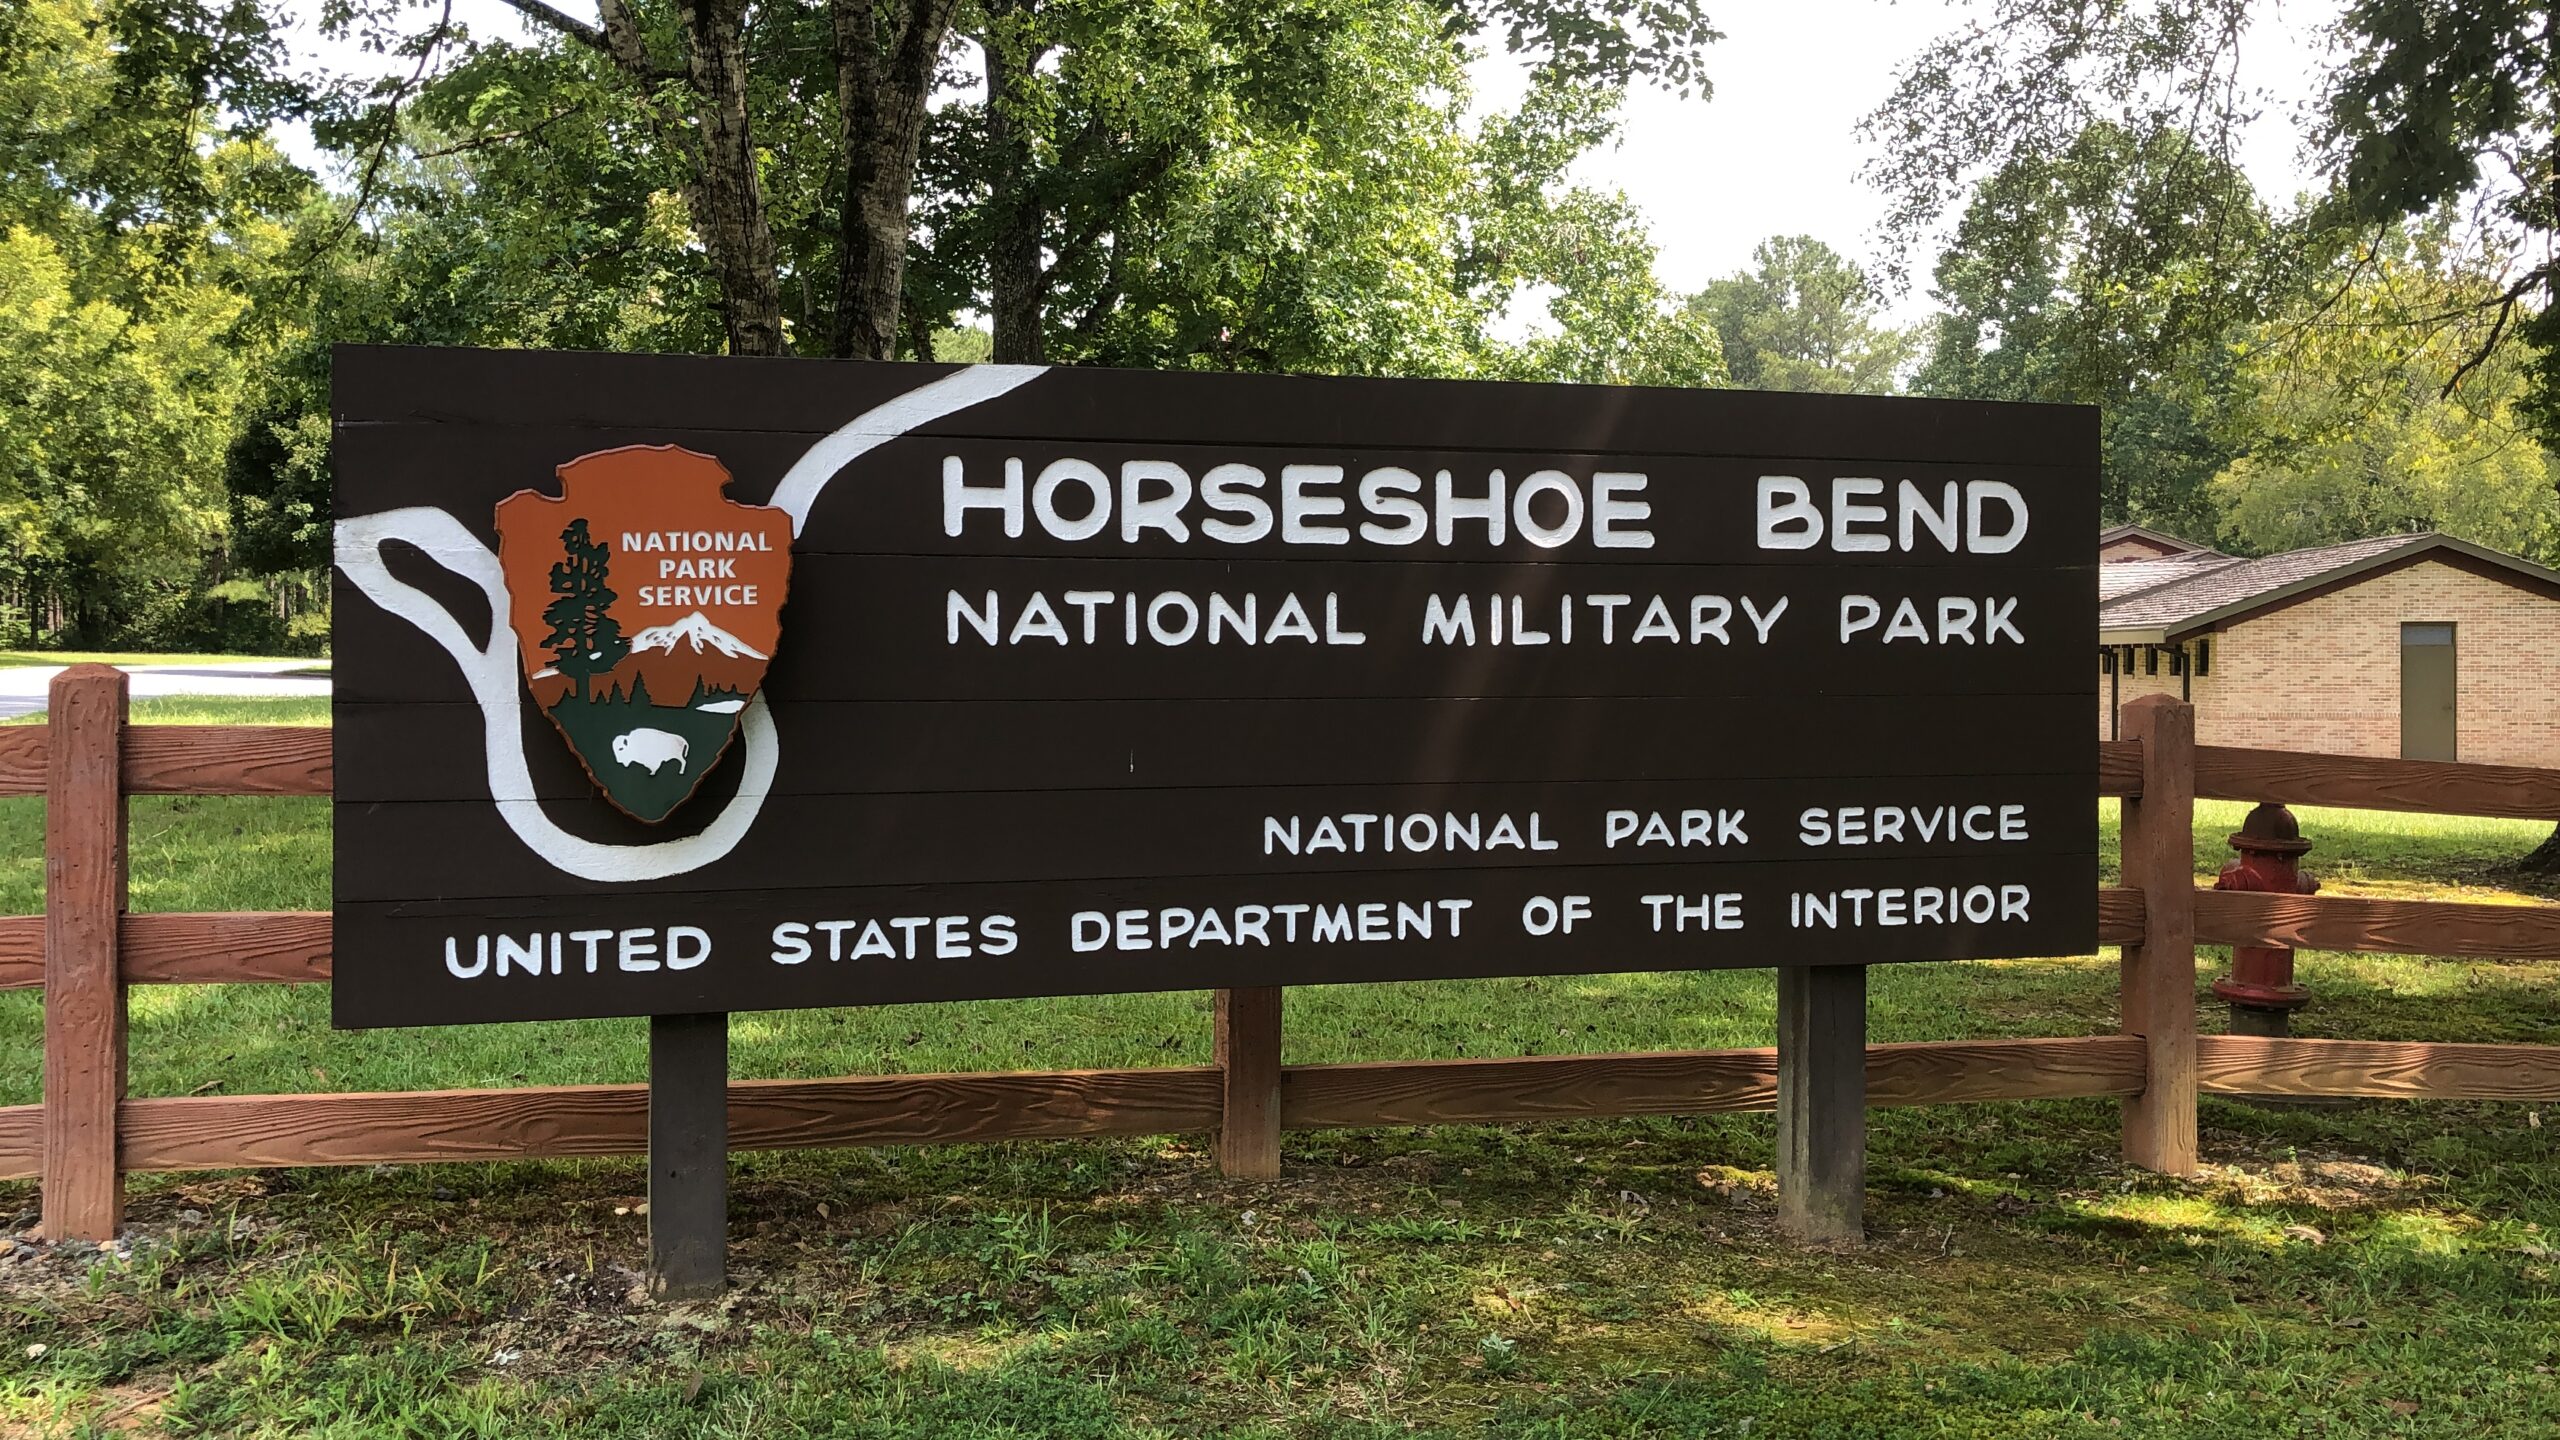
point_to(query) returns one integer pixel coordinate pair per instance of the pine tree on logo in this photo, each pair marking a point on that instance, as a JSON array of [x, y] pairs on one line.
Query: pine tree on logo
[[584, 640]]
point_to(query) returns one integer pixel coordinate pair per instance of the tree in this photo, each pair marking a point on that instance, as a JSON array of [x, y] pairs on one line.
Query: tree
[[1805, 318], [777, 106], [2427, 102], [2346, 432], [2038, 306], [585, 640]]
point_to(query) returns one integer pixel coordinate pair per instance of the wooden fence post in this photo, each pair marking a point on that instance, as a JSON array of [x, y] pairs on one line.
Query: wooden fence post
[[84, 901], [2159, 980], [688, 1156], [1247, 1052], [1822, 1103]]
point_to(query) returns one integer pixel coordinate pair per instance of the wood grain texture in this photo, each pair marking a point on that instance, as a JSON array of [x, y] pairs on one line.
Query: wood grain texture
[[2159, 974], [21, 1142], [2119, 915], [1246, 1049], [2258, 1065], [2429, 787], [84, 901], [1692, 1082], [232, 947], [228, 760], [21, 952], [688, 1156], [272, 1131], [2399, 927], [1951, 1072], [2119, 767], [1822, 1103], [22, 759]]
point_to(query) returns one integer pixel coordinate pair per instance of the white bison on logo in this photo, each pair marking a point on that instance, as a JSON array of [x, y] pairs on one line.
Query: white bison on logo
[[650, 749]]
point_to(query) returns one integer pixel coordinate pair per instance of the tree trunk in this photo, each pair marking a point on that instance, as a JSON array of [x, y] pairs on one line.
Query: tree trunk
[[1017, 285], [733, 222], [2544, 859], [880, 98]]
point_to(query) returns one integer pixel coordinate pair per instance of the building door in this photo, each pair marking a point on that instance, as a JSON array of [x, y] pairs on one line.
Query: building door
[[2426, 692]]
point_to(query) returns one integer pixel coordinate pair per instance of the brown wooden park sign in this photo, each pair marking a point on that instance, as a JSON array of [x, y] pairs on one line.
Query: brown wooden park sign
[[674, 686]]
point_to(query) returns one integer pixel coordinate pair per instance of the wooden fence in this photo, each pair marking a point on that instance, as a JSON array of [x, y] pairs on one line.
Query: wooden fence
[[85, 950]]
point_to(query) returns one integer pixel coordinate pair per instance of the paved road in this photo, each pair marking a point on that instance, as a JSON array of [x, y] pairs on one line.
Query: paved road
[[23, 687]]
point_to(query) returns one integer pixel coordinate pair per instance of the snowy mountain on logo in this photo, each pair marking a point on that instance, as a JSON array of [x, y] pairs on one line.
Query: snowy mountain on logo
[[699, 633]]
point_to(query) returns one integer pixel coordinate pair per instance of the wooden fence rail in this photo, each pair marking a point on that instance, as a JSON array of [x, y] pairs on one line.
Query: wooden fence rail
[[85, 951]]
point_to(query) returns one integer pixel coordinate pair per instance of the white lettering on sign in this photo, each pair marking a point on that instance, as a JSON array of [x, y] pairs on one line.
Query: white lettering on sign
[[1180, 927], [1856, 521], [1896, 906], [1236, 503]]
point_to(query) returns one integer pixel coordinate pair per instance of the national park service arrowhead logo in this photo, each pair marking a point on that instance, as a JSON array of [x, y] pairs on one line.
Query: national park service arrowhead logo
[[646, 605]]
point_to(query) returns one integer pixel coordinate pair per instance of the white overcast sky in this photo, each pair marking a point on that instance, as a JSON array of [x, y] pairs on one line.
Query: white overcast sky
[[1775, 150]]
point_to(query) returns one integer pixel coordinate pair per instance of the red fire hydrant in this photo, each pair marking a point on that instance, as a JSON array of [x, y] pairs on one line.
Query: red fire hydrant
[[2261, 988]]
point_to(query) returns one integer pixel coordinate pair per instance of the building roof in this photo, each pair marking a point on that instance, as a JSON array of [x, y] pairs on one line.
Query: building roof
[[2168, 544], [2166, 600]]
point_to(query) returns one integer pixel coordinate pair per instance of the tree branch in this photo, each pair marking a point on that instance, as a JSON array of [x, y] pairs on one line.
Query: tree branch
[[591, 36]]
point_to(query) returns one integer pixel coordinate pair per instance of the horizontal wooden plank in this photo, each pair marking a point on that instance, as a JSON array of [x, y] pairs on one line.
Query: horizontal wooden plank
[[234, 947], [211, 1132], [429, 849], [2399, 927], [267, 1131], [2427, 787], [2119, 767], [429, 752], [293, 947], [2379, 1069], [416, 961], [21, 1142], [22, 759], [1556, 1087], [227, 760], [449, 387], [905, 627], [21, 952], [2119, 915]]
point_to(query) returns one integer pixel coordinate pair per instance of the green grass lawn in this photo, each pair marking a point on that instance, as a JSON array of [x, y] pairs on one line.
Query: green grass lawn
[[2345, 1271]]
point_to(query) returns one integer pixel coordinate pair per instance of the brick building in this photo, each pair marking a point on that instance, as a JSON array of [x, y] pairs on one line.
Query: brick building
[[2414, 645]]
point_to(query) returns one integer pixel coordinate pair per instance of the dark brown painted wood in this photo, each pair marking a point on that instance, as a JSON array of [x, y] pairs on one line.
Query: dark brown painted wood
[[2159, 974], [688, 1156], [2427, 787], [1491, 937], [1247, 1053], [454, 387], [884, 629], [423, 850], [1822, 1103], [924, 746], [875, 506], [941, 764], [84, 1010]]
